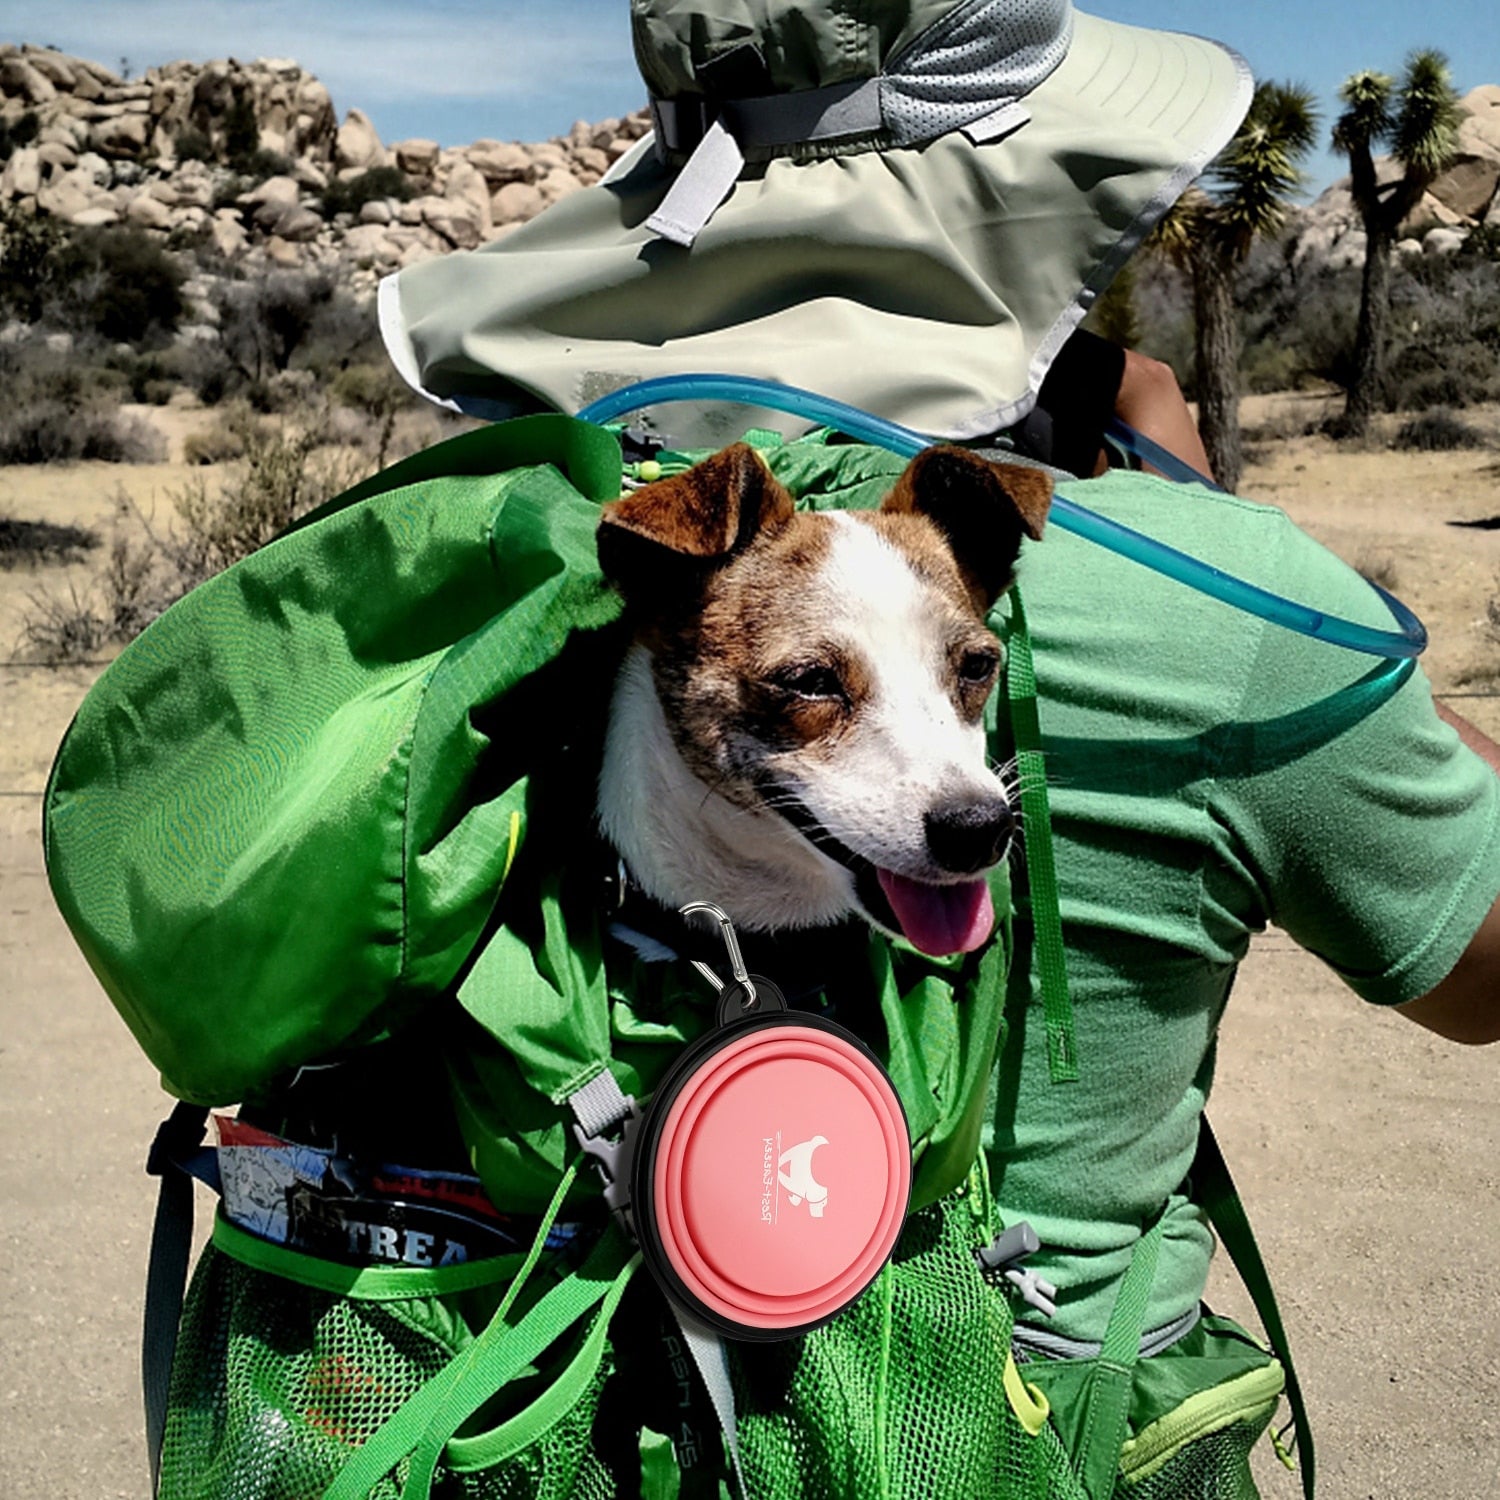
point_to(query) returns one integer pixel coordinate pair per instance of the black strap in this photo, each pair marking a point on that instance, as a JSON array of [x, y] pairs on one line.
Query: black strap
[[176, 1157], [1214, 1190]]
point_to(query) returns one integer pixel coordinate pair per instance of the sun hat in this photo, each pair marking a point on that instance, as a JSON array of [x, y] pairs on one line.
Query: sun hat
[[905, 204]]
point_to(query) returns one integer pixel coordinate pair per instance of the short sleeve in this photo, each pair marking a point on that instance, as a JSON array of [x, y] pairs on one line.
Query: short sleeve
[[1371, 830]]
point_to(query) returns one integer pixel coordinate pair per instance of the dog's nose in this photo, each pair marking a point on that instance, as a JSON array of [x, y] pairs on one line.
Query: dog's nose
[[969, 834]]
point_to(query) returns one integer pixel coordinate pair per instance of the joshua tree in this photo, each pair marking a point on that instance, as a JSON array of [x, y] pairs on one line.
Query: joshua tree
[[1209, 233], [1418, 119]]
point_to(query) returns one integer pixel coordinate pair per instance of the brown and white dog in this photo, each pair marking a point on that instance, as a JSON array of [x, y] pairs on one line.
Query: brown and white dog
[[796, 733]]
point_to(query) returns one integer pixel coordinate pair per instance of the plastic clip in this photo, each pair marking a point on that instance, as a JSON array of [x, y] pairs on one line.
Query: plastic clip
[[1005, 1254], [613, 1158]]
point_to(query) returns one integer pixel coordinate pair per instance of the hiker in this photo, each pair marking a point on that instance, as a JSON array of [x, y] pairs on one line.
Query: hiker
[[916, 233]]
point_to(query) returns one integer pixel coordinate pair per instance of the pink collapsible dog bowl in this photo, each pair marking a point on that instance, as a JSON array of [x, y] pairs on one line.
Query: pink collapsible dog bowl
[[773, 1172]]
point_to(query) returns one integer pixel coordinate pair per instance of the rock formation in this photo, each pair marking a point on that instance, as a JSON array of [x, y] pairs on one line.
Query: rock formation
[[249, 159]]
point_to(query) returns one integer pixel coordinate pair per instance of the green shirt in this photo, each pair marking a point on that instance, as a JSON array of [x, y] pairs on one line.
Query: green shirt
[[1209, 773]]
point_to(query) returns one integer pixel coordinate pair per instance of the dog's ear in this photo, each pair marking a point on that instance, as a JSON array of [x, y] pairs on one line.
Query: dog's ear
[[981, 508], [677, 527]]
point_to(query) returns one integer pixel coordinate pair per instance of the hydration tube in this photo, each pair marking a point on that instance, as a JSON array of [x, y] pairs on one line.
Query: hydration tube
[[1408, 640]]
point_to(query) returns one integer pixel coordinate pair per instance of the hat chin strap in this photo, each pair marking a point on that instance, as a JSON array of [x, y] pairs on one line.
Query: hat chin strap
[[701, 186]]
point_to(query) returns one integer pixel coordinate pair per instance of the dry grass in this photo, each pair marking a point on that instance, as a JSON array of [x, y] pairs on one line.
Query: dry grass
[[284, 473]]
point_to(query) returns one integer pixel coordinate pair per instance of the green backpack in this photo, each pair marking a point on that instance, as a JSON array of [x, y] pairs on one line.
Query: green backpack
[[330, 804]]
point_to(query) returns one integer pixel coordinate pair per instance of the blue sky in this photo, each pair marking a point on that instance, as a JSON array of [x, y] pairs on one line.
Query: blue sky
[[456, 70]]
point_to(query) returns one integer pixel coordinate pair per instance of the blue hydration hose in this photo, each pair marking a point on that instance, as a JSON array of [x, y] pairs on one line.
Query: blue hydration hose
[[1408, 640]]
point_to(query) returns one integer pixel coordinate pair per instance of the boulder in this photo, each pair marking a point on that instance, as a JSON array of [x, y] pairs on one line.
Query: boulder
[[590, 159], [281, 191], [309, 175], [149, 212], [68, 195], [467, 186], [298, 225], [59, 71], [558, 183], [1431, 212], [98, 217], [1467, 187], [501, 161], [455, 220], [94, 166], [368, 244], [515, 203], [124, 136], [22, 177], [56, 157], [1443, 241], [417, 158], [376, 211], [1479, 130], [283, 253], [228, 236], [358, 145], [20, 80]]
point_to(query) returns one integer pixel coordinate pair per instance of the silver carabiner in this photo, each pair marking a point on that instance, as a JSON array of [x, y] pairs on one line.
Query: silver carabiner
[[736, 961]]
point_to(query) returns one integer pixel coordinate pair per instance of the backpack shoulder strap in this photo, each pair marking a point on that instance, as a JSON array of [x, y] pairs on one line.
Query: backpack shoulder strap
[[177, 1157]]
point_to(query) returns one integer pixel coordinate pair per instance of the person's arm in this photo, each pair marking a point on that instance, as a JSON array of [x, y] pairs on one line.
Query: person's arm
[[1465, 1007], [1151, 401]]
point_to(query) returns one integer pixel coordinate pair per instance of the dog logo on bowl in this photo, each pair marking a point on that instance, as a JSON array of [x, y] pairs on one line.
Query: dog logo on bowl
[[796, 1176]]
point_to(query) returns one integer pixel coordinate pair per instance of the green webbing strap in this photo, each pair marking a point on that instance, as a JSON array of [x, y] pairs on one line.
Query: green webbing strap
[[1214, 1191], [599, 1282], [439, 1407], [1106, 1397], [1041, 868]]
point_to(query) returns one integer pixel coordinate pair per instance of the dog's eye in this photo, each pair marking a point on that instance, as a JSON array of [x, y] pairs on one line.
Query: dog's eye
[[975, 668], [809, 681]]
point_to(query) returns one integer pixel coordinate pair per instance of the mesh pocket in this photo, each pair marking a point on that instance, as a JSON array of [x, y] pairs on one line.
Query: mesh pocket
[[902, 1393], [275, 1384], [1215, 1467]]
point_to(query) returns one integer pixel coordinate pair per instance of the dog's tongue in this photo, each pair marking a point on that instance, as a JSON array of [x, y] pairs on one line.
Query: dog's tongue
[[940, 919]]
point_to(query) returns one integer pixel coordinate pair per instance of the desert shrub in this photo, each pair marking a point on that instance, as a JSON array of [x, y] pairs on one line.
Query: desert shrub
[[17, 133], [223, 441], [52, 431], [132, 588], [348, 196], [1436, 431], [241, 132], [28, 245], [379, 394], [261, 164], [59, 629], [117, 283], [1272, 366], [1378, 568], [1483, 243], [281, 477], [192, 144], [228, 191], [264, 320]]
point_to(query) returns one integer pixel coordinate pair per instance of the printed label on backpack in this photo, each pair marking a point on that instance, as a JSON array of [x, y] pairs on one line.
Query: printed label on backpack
[[361, 1213]]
